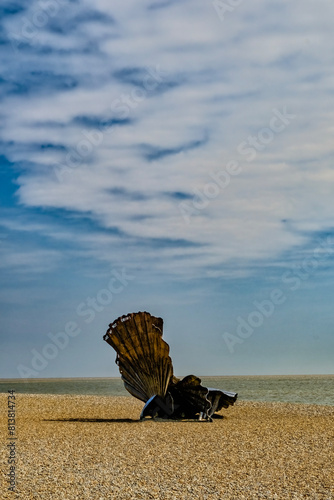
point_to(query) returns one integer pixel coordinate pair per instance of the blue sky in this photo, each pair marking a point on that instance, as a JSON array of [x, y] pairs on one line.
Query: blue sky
[[174, 157]]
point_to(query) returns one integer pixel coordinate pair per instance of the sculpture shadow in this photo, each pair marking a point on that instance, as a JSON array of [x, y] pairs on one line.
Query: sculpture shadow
[[124, 420], [103, 420]]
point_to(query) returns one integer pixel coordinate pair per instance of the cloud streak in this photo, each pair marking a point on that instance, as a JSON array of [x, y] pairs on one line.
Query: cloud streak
[[199, 115]]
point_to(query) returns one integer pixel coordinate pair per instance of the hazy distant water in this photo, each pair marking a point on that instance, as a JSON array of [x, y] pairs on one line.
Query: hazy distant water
[[312, 389]]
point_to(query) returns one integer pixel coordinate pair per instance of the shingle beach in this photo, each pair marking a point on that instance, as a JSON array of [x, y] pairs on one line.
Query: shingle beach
[[92, 447]]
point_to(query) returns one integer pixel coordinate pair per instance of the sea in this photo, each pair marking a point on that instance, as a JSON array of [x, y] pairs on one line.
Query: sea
[[308, 389]]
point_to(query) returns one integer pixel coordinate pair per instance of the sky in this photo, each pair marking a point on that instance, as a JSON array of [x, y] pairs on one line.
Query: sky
[[174, 157]]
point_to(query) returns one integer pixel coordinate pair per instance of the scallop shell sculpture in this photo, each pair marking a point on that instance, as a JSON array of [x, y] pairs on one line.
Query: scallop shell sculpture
[[142, 355], [147, 372]]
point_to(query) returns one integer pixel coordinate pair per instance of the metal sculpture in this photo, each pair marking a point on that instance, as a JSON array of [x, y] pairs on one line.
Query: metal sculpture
[[147, 372]]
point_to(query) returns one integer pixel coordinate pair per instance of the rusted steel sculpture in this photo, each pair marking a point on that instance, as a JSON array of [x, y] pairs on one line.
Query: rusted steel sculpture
[[147, 372]]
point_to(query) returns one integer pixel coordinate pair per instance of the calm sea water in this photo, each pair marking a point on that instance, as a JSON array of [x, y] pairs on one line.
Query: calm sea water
[[311, 389]]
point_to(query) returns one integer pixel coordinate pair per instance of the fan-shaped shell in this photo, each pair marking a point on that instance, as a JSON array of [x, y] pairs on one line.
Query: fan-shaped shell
[[142, 355]]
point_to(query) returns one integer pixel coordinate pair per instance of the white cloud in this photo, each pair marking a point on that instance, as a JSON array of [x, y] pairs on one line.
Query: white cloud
[[29, 261], [225, 79]]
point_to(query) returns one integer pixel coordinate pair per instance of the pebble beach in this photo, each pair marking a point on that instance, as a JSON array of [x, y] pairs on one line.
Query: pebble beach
[[92, 447]]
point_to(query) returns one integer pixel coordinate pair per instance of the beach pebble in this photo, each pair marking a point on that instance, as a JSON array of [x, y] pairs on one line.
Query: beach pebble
[[94, 447]]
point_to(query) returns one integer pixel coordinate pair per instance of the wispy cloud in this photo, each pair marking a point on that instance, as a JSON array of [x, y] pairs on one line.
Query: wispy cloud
[[29, 261]]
